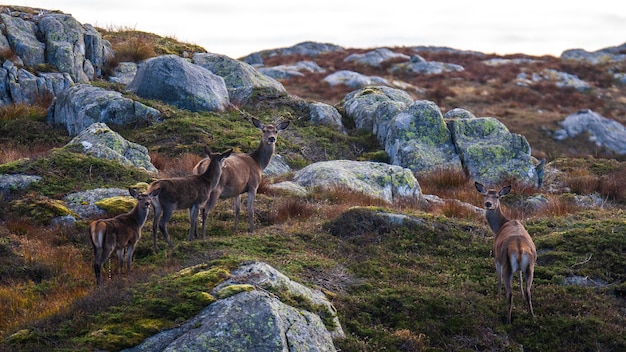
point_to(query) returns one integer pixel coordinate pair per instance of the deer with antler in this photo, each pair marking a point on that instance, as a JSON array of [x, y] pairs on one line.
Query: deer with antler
[[120, 233], [242, 173], [188, 192], [513, 248]]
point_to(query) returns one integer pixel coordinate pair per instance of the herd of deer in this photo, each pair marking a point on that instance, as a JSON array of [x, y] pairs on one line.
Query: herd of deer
[[227, 175]]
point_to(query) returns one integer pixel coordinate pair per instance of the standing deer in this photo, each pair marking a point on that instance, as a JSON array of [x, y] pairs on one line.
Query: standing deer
[[188, 192], [242, 173], [513, 248], [121, 233]]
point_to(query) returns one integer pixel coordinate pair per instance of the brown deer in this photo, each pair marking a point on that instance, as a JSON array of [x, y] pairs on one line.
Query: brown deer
[[188, 192], [242, 173], [121, 233], [513, 248]]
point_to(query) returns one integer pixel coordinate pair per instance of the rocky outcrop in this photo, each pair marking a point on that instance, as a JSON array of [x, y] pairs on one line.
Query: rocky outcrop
[[376, 57], [175, 81], [288, 71], [327, 115], [100, 141], [379, 180], [11, 183], [610, 54], [84, 203], [361, 105], [308, 49], [81, 105], [18, 85], [419, 65], [560, 79], [249, 315], [419, 139], [490, 153], [243, 82], [354, 79], [604, 132]]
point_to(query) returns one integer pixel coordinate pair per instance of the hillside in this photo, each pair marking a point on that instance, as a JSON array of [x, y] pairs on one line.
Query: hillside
[[425, 286]]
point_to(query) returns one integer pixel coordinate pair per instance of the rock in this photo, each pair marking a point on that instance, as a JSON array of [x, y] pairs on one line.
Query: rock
[[249, 319], [324, 114], [100, 141], [288, 71], [22, 37], [560, 79], [358, 221], [10, 183], [305, 49], [175, 81], [379, 180], [84, 203], [18, 85], [124, 73], [610, 54], [418, 65], [290, 188], [419, 139], [361, 105], [354, 79], [81, 105], [376, 57], [604, 132], [244, 83], [490, 153], [277, 166]]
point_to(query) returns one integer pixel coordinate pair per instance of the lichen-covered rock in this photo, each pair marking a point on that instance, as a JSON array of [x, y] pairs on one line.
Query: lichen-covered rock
[[84, 203], [244, 83], [11, 183], [22, 36], [100, 141], [81, 105], [360, 105], [560, 79], [18, 85], [252, 317], [379, 180], [419, 65], [490, 153], [324, 114], [176, 81], [419, 139]]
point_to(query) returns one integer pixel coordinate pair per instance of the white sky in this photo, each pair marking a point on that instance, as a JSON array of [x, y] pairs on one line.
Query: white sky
[[236, 27]]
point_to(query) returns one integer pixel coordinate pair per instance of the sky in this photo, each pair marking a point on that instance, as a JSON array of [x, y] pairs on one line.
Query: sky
[[237, 28]]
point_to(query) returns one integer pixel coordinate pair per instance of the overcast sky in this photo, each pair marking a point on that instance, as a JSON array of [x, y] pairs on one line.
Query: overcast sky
[[236, 27]]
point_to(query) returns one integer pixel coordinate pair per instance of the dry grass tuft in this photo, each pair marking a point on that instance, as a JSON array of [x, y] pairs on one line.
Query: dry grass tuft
[[291, 208]]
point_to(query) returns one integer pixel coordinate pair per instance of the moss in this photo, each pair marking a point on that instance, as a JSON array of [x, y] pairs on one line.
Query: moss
[[117, 205], [231, 290], [40, 209]]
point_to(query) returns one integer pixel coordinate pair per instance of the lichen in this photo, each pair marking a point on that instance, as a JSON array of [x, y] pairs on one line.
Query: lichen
[[233, 290]]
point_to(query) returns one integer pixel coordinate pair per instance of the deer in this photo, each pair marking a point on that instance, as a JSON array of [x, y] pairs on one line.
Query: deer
[[120, 233], [242, 173], [187, 192], [513, 248]]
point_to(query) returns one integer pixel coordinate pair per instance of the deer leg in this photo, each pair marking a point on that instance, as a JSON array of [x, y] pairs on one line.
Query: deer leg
[[208, 206], [167, 214], [193, 219], [129, 256], [120, 260], [237, 200], [155, 223], [499, 273], [251, 197], [529, 282], [507, 276]]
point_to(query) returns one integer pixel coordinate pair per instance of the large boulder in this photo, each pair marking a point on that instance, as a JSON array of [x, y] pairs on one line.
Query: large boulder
[[100, 141], [376, 57], [354, 79], [176, 81], [379, 180], [491, 153], [307, 49], [249, 315], [419, 139], [419, 65], [243, 82], [82, 105], [606, 133], [360, 105]]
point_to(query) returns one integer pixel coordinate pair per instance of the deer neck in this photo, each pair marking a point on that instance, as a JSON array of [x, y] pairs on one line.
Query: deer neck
[[496, 219], [263, 154], [139, 214]]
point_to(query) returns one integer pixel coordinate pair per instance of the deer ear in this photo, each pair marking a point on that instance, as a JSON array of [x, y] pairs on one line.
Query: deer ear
[[480, 188], [155, 192], [281, 126], [133, 192], [504, 191], [258, 124]]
